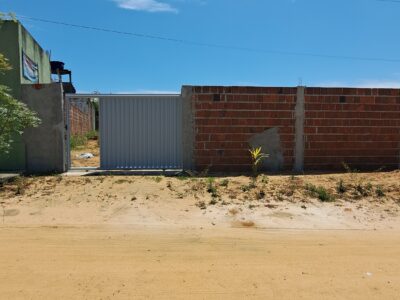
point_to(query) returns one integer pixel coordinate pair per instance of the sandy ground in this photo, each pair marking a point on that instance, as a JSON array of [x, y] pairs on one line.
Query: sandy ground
[[128, 263], [92, 146], [120, 237], [273, 201]]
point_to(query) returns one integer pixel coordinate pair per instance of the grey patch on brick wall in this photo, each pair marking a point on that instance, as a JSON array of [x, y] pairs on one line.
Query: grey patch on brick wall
[[270, 142]]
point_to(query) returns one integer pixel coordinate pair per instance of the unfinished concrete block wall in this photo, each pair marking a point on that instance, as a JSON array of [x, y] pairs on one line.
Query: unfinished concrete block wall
[[230, 119], [360, 127], [45, 144], [301, 128]]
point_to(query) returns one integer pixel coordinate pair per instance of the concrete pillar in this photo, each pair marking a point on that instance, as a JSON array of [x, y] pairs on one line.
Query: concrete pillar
[[45, 145], [299, 130], [188, 134]]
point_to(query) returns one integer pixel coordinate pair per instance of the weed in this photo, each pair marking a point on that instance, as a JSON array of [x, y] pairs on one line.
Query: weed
[[257, 158], [279, 196], [211, 188], [169, 185], [349, 169], [324, 195], [101, 179], [92, 135], [157, 179], [232, 195], [77, 141], [264, 179], [260, 195], [250, 186], [197, 185], [201, 205], [121, 181], [88, 180], [319, 192], [58, 178], [380, 169], [21, 186], [224, 183], [341, 187], [213, 201], [181, 177], [363, 190], [379, 191], [246, 188], [204, 173]]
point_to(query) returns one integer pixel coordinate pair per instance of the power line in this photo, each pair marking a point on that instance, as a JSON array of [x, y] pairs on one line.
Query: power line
[[229, 47]]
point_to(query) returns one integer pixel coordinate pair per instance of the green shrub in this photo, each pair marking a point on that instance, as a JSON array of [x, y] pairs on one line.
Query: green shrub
[[363, 190], [249, 187], [77, 140], [264, 179], [379, 191], [92, 135], [319, 192]]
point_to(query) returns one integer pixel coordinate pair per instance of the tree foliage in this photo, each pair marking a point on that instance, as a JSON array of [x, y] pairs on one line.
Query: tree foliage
[[15, 116]]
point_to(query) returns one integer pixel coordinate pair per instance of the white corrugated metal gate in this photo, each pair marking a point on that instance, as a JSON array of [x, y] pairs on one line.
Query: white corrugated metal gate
[[140, 131]]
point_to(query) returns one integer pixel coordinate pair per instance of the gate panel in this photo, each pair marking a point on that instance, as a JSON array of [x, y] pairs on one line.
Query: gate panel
[[141, 132]]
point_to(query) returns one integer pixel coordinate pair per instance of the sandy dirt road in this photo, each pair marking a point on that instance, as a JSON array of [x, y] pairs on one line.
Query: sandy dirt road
[[114, 262], [135, 237]]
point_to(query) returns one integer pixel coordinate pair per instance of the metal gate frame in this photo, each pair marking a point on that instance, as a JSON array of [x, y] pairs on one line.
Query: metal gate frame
[[103, 97]]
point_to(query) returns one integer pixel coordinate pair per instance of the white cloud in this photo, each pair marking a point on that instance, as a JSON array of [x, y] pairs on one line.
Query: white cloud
[[146, 5]]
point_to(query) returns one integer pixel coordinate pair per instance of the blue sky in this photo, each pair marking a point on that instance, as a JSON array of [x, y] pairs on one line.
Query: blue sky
[[108, 62]]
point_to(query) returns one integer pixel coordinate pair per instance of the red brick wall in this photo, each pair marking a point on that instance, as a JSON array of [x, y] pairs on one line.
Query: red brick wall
[[360, 127], [80, 122], [227, 117]]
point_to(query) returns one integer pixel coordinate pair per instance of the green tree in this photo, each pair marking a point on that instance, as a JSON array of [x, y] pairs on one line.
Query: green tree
[[15, 116]]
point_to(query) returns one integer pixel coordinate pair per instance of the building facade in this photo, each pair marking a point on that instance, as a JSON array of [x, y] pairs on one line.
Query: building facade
[[30, 65]]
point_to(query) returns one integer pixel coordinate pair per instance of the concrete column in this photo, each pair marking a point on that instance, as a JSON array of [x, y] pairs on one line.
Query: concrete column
[[188, 134], [299, 130], [45, 145]]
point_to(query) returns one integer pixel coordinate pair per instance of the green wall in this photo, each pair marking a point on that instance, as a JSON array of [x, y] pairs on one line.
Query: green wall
[[9, 46], [14, 39], [32, 49]]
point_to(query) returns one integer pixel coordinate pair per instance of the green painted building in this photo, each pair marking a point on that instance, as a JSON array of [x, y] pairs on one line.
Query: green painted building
[[31, 65]]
